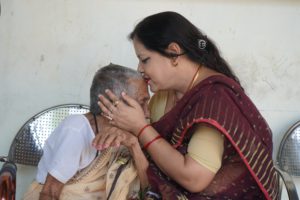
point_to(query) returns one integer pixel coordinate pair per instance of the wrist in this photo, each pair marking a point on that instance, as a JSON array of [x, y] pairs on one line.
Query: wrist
[[142, 130], [46, 196], [135, 147], [133, 142], [139, 128]]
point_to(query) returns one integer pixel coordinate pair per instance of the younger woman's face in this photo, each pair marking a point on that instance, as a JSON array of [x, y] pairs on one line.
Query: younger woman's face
[[156, 69]]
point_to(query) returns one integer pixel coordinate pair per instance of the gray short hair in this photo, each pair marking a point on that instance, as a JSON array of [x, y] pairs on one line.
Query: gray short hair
[[113, 77]]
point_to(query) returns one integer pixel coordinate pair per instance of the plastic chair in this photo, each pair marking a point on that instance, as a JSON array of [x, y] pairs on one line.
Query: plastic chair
[[288, 159], [27, 146]]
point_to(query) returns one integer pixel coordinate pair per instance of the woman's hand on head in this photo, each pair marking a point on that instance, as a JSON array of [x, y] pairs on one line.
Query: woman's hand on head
[[126, 114], [110, 136]]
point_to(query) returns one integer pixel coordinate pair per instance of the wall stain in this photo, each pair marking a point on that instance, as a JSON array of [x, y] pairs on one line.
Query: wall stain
[[42, 58]]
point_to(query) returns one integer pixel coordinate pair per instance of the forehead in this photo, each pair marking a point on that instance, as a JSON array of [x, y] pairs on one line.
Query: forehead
[[139, 89], [139, 47]]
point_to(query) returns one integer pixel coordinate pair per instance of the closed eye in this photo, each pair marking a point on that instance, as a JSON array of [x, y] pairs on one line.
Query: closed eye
[[144, 61]]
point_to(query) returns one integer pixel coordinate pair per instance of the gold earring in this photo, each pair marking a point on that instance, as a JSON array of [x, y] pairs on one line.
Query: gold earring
[[174, 61]]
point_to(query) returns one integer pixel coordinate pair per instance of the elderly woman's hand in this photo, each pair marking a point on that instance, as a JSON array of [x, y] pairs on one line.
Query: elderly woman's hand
[[126, 114], [111, 136]]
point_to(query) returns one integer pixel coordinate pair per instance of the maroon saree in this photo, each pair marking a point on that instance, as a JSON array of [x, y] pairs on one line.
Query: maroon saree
[[247, 170]]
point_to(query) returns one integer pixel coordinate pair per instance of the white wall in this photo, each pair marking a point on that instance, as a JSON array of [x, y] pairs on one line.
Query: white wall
[[49, 51]]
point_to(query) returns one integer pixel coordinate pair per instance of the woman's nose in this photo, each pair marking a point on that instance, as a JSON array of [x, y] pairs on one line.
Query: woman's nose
[[140, 68]]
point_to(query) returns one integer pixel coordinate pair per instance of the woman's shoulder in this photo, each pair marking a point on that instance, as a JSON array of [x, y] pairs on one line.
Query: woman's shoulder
[[217, 85], [221, 81], [75, 120], [74, 123], [72, 128]]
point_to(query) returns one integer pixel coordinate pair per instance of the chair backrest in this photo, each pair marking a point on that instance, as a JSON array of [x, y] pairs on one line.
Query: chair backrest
[[287, 181], [27, 146], [288, 157]]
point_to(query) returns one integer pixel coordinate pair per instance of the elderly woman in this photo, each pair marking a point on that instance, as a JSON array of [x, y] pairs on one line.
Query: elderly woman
[[71, 168], [210, 141]]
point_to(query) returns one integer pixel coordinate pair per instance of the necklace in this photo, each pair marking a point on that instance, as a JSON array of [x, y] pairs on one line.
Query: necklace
[[97, 130], [96, 124], [191, 85]]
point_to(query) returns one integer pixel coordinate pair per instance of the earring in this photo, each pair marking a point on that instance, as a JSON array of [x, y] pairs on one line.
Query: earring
[[174, 61]]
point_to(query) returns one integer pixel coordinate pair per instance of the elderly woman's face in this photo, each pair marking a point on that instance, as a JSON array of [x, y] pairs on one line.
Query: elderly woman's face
[[140, 94]]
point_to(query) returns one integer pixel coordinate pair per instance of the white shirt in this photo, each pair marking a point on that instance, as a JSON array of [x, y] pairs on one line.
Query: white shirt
[[67, 150]]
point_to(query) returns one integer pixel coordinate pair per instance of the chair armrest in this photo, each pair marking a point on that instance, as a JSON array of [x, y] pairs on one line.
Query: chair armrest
[[3, 158], [8, 181], [289, 184]]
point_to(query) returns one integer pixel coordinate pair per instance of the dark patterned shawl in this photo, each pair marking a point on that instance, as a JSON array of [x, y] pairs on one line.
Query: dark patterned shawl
[[247, 170]]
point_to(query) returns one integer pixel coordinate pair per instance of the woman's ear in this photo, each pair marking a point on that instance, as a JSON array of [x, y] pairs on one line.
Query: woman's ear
[[174, 51]]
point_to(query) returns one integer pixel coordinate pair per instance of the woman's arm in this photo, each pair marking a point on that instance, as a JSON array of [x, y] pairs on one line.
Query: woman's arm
[[51, 189], [187, 172], [141, 163]]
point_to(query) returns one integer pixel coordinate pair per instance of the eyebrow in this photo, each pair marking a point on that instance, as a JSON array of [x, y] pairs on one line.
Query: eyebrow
[[140, 55]]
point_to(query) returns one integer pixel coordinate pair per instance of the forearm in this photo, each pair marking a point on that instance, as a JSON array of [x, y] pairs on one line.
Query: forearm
[[180, 168], [141, 163], [164, 155], [51, 189]]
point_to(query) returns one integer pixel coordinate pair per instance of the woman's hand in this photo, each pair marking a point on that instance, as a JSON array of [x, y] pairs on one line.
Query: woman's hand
[[127, 114], [111, 136]]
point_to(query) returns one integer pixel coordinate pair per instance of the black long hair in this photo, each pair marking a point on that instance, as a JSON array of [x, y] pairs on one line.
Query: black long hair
[[157, 31]]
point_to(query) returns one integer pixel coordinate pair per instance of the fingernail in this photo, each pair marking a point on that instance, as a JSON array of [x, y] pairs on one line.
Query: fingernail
[[106, 90], [99, 147], [105, 146], [123, 93]]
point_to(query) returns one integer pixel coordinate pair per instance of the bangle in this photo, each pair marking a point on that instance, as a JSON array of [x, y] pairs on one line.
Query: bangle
[[149, 143], [142, 130]]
